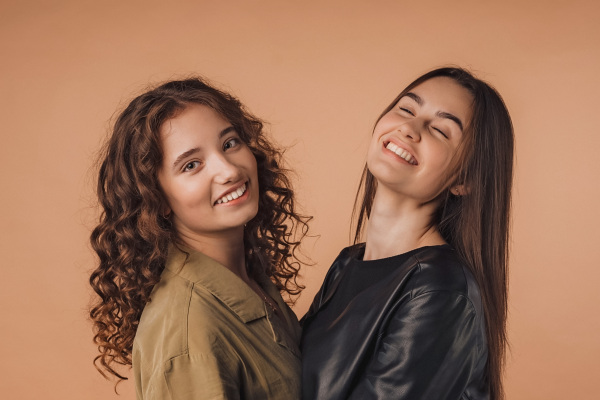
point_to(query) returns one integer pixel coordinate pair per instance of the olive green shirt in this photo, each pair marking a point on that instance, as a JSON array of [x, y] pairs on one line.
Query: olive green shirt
[[206, 334]]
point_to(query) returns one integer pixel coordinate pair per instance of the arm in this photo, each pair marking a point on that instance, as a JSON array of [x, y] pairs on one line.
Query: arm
[[314, 306], [427, 351], [329, 285], [191, 377]]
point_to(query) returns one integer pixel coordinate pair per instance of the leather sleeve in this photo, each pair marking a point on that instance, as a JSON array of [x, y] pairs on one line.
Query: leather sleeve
[[314, 306], [427, 351], [330, 279]]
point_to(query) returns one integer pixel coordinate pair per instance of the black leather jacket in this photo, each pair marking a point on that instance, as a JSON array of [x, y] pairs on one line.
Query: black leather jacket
[[418, 335]]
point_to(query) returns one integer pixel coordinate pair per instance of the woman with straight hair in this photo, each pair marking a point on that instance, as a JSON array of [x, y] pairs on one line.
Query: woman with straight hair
[[196, 240], [418, 311]]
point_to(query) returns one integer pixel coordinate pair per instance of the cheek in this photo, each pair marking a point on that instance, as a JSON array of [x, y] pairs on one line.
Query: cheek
[[440, 168], [167, 191], [250, 163], [441, 153], [371, 155], [374, 144], [388, 123], [187, 196], [385, 125], [253, 165], [380, 128]]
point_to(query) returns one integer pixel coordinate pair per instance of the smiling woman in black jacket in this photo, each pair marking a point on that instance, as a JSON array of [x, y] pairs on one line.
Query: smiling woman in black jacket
[[418, 311]]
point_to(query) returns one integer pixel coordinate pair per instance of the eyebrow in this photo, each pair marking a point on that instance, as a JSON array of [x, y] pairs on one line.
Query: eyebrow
[[440, 114], [189, 152], [415, 97]]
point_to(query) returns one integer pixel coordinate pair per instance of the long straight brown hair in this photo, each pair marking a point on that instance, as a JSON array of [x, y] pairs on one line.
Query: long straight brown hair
[[476, 224]]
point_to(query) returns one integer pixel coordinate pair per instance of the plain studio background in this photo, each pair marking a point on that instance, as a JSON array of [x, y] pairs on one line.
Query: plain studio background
[[320, 73]]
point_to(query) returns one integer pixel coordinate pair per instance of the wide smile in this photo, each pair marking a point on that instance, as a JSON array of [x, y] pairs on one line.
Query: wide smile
[[239, 193], [400, 152]]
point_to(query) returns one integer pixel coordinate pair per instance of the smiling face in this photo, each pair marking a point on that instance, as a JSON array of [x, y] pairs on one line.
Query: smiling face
[[208, 174], [413, 144]]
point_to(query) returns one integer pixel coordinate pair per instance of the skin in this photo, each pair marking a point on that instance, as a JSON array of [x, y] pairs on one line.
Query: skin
[[426, 124], [204, 159]]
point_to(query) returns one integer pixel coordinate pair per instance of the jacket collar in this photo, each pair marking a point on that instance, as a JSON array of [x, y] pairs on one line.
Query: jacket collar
[[219, 281]]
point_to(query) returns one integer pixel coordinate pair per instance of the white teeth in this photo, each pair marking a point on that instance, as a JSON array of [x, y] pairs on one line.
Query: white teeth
[[401, 153], [233, 195]]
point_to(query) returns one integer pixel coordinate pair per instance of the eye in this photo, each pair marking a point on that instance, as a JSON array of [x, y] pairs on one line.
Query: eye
[[443, 134], [231, 143], [192, 165], [406, 110]]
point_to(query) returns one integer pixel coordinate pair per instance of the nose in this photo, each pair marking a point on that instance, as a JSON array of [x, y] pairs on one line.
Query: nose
[[225, 171], [411, 130]]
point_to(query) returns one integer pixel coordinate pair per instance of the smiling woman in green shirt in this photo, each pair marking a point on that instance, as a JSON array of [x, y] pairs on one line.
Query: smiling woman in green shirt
[[196, 242]]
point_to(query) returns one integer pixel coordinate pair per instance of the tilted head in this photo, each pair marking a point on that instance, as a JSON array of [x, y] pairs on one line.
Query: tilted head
[[472, 202], [128, 182], [137, 222], [414, 145], [481, 167]]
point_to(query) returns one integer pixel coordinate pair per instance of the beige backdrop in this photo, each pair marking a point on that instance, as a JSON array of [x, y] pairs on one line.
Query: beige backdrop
[[320, 72]]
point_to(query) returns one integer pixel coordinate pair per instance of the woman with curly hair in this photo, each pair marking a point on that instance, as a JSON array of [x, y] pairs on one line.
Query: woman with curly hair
[[196, 241]]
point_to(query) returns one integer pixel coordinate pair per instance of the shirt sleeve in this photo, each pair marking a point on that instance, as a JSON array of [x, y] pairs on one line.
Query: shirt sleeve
[[192, 377], [427, 351]]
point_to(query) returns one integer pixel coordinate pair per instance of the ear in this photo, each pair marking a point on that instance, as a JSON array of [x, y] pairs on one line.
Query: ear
[[166, 212], [459, 190]]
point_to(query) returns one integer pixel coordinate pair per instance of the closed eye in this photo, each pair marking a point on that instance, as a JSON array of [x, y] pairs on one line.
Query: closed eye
[[436, 129], [406, 110]]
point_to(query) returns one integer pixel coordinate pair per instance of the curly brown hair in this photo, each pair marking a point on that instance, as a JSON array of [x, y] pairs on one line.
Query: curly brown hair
[[133, 235]]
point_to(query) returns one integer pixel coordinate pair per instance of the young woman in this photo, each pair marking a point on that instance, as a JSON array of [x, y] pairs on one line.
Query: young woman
[[419, 310], [196, 242]]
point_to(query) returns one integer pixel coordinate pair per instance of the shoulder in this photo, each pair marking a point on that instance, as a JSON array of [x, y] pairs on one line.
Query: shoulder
[[340, 263], [439, 269], [344, 258], [161, 329], [178, 307], [170, 296]]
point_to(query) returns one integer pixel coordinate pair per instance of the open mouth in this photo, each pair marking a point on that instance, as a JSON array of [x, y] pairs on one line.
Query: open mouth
[[233, 194], [400, 152]]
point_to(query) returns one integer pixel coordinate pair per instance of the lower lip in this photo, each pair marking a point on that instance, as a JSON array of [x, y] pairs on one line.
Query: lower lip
[[396, 156], [237, 201]]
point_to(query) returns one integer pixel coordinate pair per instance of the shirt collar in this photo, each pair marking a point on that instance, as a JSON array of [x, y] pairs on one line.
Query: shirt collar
[[219, 281]]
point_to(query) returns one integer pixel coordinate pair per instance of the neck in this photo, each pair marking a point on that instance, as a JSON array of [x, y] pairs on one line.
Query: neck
[[226, 247], [398, 224]]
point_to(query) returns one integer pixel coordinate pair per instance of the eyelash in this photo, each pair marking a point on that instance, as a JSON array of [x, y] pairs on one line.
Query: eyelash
[[411, 113], [186, 169], [406, 110], [195, 164], [236, 140], [443, 134]]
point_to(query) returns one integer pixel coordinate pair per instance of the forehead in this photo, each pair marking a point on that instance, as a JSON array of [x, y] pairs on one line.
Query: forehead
[[197, 127], [193, 119], [445, 94]]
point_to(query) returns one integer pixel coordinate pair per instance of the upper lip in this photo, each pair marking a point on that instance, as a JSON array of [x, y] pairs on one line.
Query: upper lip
[[230, 190], [402, 145]]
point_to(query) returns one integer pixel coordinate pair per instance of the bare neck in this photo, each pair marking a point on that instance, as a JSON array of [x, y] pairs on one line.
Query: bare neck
[[227, 248], [398, 224]]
